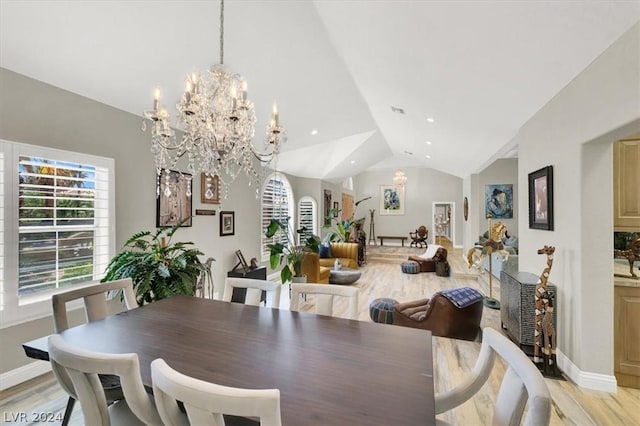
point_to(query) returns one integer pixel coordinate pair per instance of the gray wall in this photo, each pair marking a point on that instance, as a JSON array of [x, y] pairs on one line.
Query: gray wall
[[36, 113], [574, 133], [424, 187], [500, 172]]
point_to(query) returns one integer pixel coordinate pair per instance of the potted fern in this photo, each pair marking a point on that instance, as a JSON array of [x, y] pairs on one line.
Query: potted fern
[[292, 253], [157, 267]]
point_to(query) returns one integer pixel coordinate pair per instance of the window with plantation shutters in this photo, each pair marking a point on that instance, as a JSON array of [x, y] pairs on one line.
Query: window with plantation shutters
[[57, 215], [307, 216], [276, 203]]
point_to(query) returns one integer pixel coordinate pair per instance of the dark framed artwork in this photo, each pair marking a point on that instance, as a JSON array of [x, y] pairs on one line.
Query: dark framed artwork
[[227, 223], [499, 201], [336, 207], [541, 199], [174, 201], [209, 189], [326, 207]]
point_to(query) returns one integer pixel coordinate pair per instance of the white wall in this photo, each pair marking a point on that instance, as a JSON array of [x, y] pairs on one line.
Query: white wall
[[573, 132], [424, 187]]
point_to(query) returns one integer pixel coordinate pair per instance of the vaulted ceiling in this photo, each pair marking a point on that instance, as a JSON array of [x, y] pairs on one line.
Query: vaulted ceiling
[[480, 69]]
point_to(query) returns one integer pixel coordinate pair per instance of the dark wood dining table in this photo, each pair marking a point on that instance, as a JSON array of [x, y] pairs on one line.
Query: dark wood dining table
[[330, 371]]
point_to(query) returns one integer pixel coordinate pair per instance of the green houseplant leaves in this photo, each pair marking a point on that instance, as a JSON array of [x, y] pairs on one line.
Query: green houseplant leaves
[[157, 267], [291, 252]]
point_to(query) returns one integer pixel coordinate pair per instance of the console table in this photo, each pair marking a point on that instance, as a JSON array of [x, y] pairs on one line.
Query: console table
[[517, 306], [391, 237]]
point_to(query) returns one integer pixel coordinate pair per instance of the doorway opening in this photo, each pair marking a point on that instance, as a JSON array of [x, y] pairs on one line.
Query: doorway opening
[[443, 228]]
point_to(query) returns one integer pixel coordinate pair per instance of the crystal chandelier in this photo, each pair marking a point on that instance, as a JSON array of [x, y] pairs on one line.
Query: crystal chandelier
[[218, 123], [399, 179]]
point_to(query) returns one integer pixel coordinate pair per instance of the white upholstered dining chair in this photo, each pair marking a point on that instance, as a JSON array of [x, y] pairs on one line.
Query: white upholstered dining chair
[[254, 290], [522, 385], [324, 295], [77, 372], [205, 403], [95, 307]]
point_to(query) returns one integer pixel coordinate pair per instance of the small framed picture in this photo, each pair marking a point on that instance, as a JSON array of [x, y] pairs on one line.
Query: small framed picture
[[242, 261], [209, 189], [227, 223], [336, 207], [541, 199], [172, 202]]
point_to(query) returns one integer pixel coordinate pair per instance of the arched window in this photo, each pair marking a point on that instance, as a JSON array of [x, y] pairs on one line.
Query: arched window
[[308, 215], [276, 203]]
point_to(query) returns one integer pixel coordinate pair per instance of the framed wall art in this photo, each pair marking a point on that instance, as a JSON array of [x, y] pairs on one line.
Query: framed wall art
[[498, 201], [227, 223], [209, 189], [391, 200], [172, 203], [336, 207], [465, 208], [541, 199], [326, 207]]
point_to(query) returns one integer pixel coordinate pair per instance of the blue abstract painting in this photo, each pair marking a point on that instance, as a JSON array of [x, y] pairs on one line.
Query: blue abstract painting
[[499, 201]]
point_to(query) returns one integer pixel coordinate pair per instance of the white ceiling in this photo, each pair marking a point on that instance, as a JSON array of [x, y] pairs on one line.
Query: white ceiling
[[480, 68]]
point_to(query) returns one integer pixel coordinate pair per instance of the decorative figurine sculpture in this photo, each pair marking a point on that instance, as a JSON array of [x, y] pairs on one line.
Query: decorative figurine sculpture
[[632, 254], [475, 255], [543, 306]]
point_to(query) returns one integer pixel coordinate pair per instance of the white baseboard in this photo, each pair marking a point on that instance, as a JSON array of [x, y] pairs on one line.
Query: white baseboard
[[24, 373], [586, 379]]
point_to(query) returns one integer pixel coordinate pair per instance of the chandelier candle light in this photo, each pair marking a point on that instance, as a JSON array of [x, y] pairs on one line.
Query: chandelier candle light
[[218, 123], [399, 179]]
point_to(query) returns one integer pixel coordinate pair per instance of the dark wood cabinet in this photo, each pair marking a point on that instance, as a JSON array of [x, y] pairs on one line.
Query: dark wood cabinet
[[239, 294]]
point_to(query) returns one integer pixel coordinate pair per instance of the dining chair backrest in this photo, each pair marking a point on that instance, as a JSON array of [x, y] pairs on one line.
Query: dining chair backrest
[[254, 290], [95, 301], [205, 402], [324, 295], [83, 367], [522, 384]]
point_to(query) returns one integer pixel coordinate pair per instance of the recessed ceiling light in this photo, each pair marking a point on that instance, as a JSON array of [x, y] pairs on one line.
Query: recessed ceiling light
[[427, 142], [353, 161], [314, 132], [431, 120], [427, 156]]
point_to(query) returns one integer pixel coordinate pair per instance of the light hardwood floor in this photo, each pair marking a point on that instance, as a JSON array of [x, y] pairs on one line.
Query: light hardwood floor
[[453, 359]]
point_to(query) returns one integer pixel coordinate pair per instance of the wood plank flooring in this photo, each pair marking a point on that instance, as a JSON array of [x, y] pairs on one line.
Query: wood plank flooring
[[453, 359]]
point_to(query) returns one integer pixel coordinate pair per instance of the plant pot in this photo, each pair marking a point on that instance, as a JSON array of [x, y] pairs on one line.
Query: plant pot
[[300, 279]]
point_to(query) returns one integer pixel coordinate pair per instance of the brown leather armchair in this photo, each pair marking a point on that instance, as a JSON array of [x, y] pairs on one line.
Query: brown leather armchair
[[312, 269], [429, 264], [441, 316]]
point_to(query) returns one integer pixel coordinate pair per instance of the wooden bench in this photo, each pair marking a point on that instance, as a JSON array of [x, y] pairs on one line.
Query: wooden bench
[[390, 237]]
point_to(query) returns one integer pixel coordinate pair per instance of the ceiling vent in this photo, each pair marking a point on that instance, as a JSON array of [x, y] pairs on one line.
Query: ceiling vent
[[408, 152], [397, 110]]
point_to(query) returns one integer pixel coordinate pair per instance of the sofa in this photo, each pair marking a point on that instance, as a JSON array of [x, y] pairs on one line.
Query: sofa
[[428, 261], [346, 252], [312, 269]]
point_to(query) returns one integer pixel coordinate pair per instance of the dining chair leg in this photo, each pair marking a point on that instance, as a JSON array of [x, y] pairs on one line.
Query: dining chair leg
[[67, 412]]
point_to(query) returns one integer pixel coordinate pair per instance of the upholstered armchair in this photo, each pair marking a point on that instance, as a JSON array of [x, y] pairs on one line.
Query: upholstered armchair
[[443, 316], [346, 252], [312, 269], [427, 261]]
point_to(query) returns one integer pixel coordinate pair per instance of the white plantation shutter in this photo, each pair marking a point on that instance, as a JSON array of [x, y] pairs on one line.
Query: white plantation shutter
[[276, 203], [307, 215], [58, 217]]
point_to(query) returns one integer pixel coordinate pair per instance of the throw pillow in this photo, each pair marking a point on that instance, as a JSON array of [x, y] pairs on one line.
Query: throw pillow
[[325, 250]]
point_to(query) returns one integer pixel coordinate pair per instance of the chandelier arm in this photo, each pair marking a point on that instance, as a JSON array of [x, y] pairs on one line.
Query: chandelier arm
[[221, 32]]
